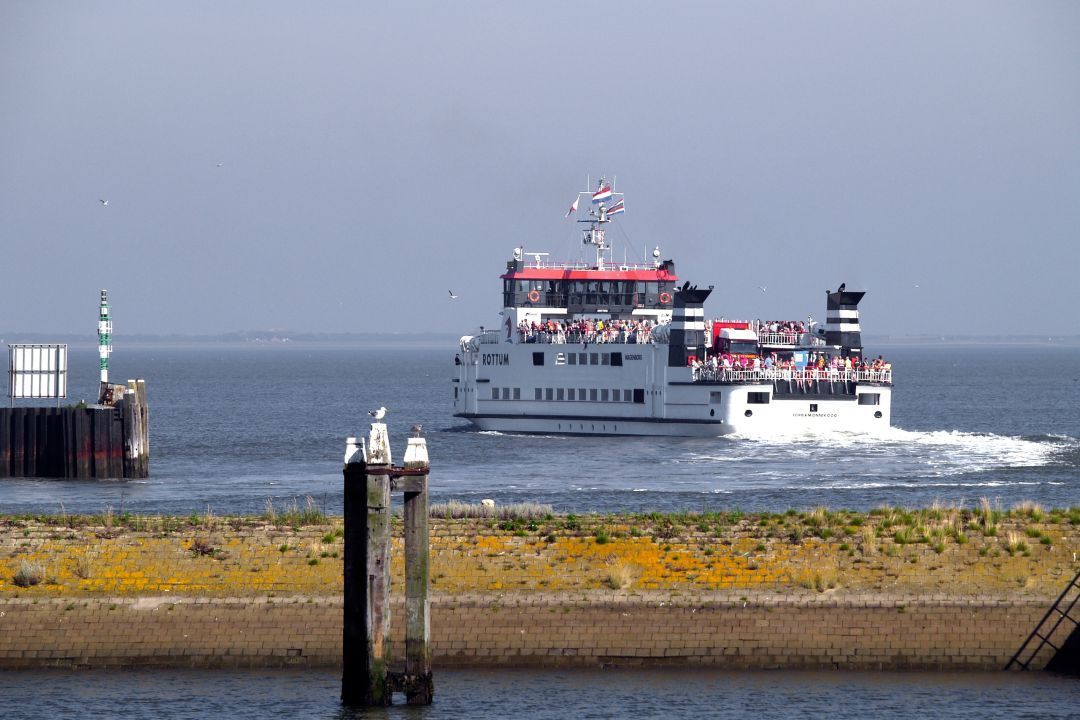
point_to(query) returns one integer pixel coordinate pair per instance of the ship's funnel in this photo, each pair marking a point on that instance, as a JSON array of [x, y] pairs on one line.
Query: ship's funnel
[[842, 322], [687, 335]]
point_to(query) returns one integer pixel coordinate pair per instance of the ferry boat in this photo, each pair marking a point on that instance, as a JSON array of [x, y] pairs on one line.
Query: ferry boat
[[616, 348]]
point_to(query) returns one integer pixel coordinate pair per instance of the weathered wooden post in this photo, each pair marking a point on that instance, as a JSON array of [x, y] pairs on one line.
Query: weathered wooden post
[[366, 628], [418, 684], [369, 476]]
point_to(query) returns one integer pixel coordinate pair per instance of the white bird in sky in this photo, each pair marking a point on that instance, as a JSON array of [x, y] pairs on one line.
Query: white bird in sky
[[104, 203], [762, 288], [221, 165], [378, 414], [452, 295]]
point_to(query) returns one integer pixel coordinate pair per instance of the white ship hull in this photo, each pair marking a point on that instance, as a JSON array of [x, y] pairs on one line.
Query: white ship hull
[[500, 387]]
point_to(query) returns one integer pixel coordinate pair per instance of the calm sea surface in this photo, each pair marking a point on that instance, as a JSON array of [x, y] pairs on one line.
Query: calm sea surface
[[231, 427], [484, 694]]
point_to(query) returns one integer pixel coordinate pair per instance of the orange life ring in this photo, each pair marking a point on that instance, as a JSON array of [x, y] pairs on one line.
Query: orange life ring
[[534, 296], [665, 298]]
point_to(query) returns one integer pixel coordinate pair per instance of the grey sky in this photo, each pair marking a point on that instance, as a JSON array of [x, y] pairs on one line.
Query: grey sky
[[376, 155]]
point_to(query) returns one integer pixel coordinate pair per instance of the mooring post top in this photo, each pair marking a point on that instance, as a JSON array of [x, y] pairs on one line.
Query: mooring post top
[[416, 456], [378, 446], [355, 453]]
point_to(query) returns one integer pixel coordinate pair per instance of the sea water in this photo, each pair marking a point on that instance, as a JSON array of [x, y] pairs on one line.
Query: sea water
[[231, 427], [480, 694], [234, 426]]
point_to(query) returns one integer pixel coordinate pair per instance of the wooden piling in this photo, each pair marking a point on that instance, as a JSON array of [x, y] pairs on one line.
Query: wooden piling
[[84, 448], [366, 622], [18, 442], [5, 444], [30, 456], [369, 479], [418, 685]]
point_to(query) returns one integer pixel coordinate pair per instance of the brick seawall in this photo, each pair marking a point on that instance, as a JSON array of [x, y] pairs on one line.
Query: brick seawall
[[873, 632]]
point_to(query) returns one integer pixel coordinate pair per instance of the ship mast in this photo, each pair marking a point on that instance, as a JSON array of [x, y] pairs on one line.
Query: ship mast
[[602, 197]]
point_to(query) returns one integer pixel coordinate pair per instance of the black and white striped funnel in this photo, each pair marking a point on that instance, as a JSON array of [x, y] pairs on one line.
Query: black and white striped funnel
[[842, 321], [687, 325]]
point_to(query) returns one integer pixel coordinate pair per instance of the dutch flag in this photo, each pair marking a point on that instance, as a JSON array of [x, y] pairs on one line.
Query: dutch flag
[[604, 193], [617, 208]]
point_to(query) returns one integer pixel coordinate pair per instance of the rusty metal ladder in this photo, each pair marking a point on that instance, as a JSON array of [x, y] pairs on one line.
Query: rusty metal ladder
[[1051, 621]]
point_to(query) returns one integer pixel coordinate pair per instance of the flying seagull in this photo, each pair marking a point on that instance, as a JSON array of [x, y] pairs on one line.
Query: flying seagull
[[104, 203], [452, 295], [762, 288], [221, 165], [378, 414]]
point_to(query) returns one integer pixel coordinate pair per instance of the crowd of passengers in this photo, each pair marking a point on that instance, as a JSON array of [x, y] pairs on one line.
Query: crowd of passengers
[[586, 331], [818, 364], [793, 328]]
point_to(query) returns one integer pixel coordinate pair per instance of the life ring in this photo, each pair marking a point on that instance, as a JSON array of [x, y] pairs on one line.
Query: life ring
[[534, 296], [665, 298]]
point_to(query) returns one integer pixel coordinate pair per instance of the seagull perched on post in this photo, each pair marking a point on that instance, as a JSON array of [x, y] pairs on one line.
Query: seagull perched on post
[[378, 414], [417, 430]]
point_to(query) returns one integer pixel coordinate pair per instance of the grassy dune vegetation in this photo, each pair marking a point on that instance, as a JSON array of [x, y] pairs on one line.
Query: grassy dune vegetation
[[527, 549]]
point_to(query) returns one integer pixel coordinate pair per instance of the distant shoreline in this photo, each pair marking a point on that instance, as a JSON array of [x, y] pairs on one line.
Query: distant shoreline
[[284, 339]]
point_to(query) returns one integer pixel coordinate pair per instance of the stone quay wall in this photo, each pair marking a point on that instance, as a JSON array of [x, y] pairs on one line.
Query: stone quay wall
[[809, 591]]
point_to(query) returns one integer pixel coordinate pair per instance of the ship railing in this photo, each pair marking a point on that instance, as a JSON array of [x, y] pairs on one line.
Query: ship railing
[[539, 264], [618, 337], [490, 337], [801, 375], [790, 340]]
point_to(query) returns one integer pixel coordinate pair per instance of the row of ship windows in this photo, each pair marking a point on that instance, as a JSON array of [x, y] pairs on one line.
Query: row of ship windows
[[574, 394], [582, 358]]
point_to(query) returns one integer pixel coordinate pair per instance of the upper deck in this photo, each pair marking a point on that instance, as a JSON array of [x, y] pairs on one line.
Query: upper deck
[[581, 288]]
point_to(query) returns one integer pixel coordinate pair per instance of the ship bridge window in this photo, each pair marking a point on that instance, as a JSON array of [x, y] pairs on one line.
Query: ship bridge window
[[869, 398], [560, 394], [494, 393], [538, 358], [757, 398], [616, 359], [715, 397], [549, 394], [594, 358], [605, 358], [639, 396], [517, 393], [538, 394], [571, 358], [604, 395], [506, 393]]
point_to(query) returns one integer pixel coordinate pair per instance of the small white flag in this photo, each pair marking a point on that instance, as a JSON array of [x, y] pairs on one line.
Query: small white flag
[[573, 208]]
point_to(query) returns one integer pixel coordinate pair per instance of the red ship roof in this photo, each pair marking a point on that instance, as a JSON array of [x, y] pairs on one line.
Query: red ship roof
[[583, 274]]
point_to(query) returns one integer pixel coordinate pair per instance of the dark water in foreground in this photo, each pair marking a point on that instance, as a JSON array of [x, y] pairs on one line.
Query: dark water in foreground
[[546, 694], [233, 426]]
